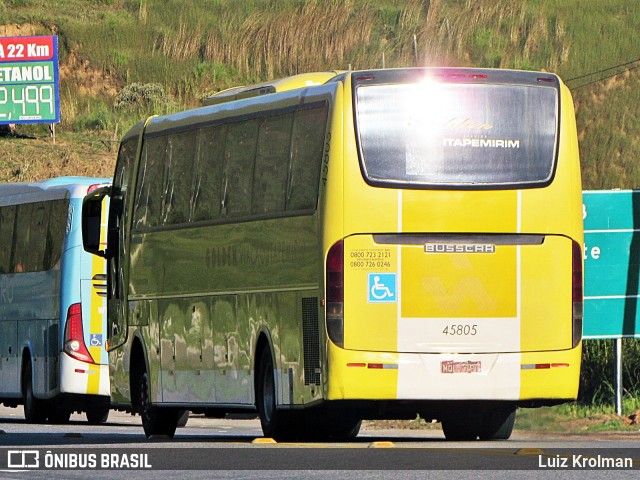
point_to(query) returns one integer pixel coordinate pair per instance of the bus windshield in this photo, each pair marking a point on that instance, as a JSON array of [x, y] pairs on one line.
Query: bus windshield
[[442, 134]]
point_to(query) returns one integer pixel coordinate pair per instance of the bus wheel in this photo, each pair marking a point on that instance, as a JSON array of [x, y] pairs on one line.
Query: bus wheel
[[461, 426], [273, 421], [155, 421], [326, 425], [183, 418], [58, 415], [34, 409], [345, 429], [97, 415], [497, 423]]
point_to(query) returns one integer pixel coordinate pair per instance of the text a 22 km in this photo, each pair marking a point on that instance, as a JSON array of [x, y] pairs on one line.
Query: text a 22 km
[[21, 51]]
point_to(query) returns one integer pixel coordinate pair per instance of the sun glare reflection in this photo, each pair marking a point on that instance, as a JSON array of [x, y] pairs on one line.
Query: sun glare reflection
[[427, 103]]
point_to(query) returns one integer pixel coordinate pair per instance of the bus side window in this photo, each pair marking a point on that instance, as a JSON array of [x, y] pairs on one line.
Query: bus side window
[[307, 145], [178, 178], [7, 222], [272, 157], [207, 184], [38, 236], [21, 238], [240, 153], [149, 188], [55, 233]]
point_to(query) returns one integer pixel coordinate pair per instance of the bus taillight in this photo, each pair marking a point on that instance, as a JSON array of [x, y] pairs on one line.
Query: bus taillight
[[74, 335], [335, 293], [577, 298]]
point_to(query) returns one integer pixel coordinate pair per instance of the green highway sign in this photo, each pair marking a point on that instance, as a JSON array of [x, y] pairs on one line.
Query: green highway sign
[[611, 263], [29, 82]]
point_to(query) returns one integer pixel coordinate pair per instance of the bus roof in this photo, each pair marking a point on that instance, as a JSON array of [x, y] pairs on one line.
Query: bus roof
[[280, 85], [317, 78], [57, 184]]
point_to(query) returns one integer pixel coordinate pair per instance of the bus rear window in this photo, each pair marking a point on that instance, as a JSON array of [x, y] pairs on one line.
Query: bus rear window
[[453, 135]]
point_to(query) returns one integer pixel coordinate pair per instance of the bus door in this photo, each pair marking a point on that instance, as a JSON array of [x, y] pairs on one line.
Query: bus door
[[117, 245]]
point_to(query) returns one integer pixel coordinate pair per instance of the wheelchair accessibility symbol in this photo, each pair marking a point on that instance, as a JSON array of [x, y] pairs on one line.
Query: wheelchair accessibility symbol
[[382, 288], [96, 340]]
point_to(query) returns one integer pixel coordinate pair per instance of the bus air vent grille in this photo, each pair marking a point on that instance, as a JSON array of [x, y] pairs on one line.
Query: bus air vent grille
[[311, 341]]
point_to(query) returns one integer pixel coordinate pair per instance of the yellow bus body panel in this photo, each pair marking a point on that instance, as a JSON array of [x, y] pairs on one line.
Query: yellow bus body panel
[[517, 299]]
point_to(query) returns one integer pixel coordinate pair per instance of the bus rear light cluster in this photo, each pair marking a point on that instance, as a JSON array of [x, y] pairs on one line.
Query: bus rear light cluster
[[577, 298], [374, 366], [335, 293], [74, 345], [543, 366]]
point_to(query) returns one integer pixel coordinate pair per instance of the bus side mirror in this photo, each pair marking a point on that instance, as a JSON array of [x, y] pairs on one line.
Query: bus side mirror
[[91, 221]]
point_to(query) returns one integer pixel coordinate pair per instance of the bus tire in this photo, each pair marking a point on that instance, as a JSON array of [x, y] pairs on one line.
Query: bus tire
[[34, 409], [97, 415], [345, 429], [462, 426], [183, 418], [156, 421], [498, 424], [275, 423], [58, 415], [332, 425]]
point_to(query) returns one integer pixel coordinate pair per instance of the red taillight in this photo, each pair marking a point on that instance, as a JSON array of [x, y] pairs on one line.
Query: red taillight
[[93, 187], [335, 273], [335, 293], [74, 335], [577, 289]]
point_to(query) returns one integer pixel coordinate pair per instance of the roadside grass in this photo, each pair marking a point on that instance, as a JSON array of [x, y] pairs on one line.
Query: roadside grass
[[569, 418], [33, 155], [572, 418]]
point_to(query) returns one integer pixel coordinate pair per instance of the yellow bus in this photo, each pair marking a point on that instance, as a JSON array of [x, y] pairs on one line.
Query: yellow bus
[[353, 245]]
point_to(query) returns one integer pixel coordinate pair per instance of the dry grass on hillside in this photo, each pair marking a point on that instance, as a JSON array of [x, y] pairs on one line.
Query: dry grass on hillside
[[34, 159]]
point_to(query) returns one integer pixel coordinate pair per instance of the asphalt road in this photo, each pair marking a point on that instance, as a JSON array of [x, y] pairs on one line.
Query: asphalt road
[[215, 448]]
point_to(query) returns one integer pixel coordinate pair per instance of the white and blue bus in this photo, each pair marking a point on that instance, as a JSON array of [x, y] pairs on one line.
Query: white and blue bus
[[52, 303]]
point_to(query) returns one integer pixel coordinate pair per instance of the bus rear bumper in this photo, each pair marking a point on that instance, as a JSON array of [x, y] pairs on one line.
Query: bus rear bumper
[[83, 378], [513, 377]]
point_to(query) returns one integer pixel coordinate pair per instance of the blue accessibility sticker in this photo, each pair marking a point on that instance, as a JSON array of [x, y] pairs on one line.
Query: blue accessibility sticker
[[382, 288]]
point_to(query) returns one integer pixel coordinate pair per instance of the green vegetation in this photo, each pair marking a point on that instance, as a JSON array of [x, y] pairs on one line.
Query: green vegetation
[[569, 419], [193, 49], [196, 48], [597, 380], [576, 419], [121, 60]]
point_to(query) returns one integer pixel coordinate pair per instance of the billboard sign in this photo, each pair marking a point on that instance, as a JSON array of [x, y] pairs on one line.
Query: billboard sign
[[29, 81]]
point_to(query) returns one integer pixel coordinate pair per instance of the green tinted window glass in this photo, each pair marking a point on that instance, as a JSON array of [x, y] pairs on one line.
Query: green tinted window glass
[[121, 178], [181, 148], [149, 185], [240, 155], [21, 238], [272, 164], [309, 126], [7, 221], [38, 237], [56, 231], [207, 188]]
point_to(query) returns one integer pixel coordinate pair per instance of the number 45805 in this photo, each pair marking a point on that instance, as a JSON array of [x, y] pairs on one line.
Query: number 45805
[[460, 330]]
